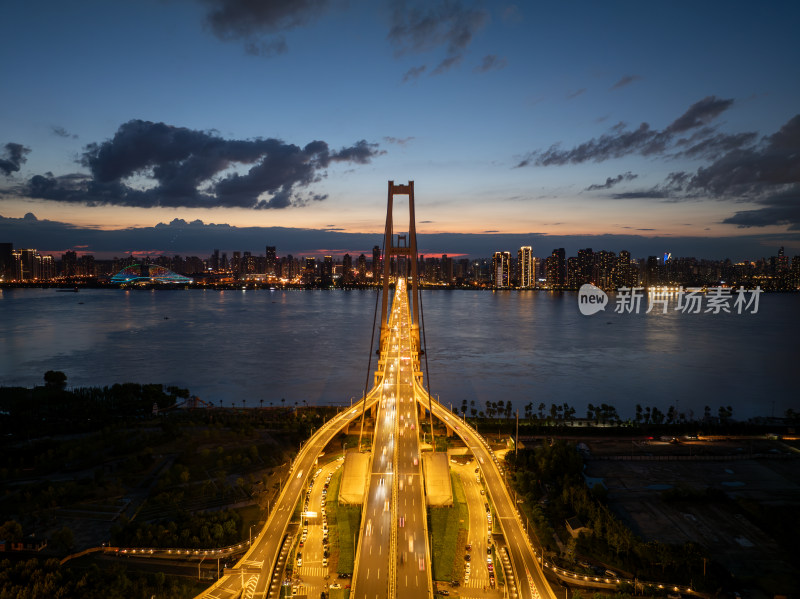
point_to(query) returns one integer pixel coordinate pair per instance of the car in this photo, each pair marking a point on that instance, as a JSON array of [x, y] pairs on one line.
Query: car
[[467, 557], [488, 550], [483, 492], [294, 590], [444, 592], [401, 522], [301, 543], [469, 547], [489, 559], [299, 560], [324, 561], [335, 585], [611, 573], [416, 461]]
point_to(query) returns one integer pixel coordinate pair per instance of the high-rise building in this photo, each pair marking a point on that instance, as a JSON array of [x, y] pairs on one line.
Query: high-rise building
[[447, 269], [270, 260], [603, 269], [501, 270], [69, 264], [573, 273], [327, 271], [310, 270], [6, 260], [347, 269], [556, 269], [362, 268], [236, 264], [376, 264], [585, 266], [525, 266], [623, 271]]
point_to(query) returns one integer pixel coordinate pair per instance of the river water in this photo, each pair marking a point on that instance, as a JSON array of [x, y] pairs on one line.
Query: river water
[[313, 346]]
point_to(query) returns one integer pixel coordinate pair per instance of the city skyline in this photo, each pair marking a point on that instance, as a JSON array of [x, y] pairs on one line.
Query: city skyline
[[626, 127]]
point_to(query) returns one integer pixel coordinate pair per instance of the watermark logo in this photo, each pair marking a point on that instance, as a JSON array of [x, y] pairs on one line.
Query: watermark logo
[[591, 299], [691, 300]]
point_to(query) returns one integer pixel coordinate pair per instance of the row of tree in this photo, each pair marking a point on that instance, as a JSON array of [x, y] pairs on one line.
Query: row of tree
[[550, 478], [601, 414]]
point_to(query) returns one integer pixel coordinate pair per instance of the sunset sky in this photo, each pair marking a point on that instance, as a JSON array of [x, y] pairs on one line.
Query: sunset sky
[[180, 126]]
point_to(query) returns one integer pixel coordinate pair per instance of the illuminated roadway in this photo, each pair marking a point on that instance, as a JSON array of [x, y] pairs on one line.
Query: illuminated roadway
[[394, 519], [529, 576], [393, 554], [259, 561]]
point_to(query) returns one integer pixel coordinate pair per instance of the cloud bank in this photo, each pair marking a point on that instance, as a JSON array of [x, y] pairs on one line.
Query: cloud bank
[[199, 239], [426, 26], [12, 158], [192, 169], [742, 167]]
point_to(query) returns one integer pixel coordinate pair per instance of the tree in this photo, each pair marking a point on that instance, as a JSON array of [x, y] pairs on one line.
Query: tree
[[55, 379], [541, 411], [11, 531], [638, 413]]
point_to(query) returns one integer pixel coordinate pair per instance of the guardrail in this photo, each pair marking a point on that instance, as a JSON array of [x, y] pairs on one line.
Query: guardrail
[[336, 423]]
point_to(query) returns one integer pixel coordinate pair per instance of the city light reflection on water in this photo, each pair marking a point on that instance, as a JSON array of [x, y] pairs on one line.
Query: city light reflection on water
[[314, 345]]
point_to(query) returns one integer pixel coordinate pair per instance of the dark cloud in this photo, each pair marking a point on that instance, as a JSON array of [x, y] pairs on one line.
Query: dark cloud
[[781, 209], [490, 62], [626, 80], [12, 158], [706, 143], [612, 181], [755, 171], [400, 141], [413, 73], [426, 26], [655, 194], [194, 169], [198, 238], [700, 113], [246, 19], [61, 132], [575, 94], [766, 173], [446, 64], [644, 140]]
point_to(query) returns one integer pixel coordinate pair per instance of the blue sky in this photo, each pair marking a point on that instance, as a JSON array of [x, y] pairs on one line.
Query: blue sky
[[666, 125]]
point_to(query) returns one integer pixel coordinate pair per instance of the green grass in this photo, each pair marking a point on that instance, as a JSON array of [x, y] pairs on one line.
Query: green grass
[[445, 524], [344, 521]]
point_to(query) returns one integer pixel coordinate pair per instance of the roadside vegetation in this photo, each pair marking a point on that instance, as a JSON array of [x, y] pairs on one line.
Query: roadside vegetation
[[445, 525], [45, 579], [550, 479]]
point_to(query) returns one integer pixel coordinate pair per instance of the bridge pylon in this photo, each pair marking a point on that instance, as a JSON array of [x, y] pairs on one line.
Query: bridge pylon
[[407, 268]]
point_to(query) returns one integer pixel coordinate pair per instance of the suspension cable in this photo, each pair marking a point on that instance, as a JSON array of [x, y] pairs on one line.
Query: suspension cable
[[369, 362]]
